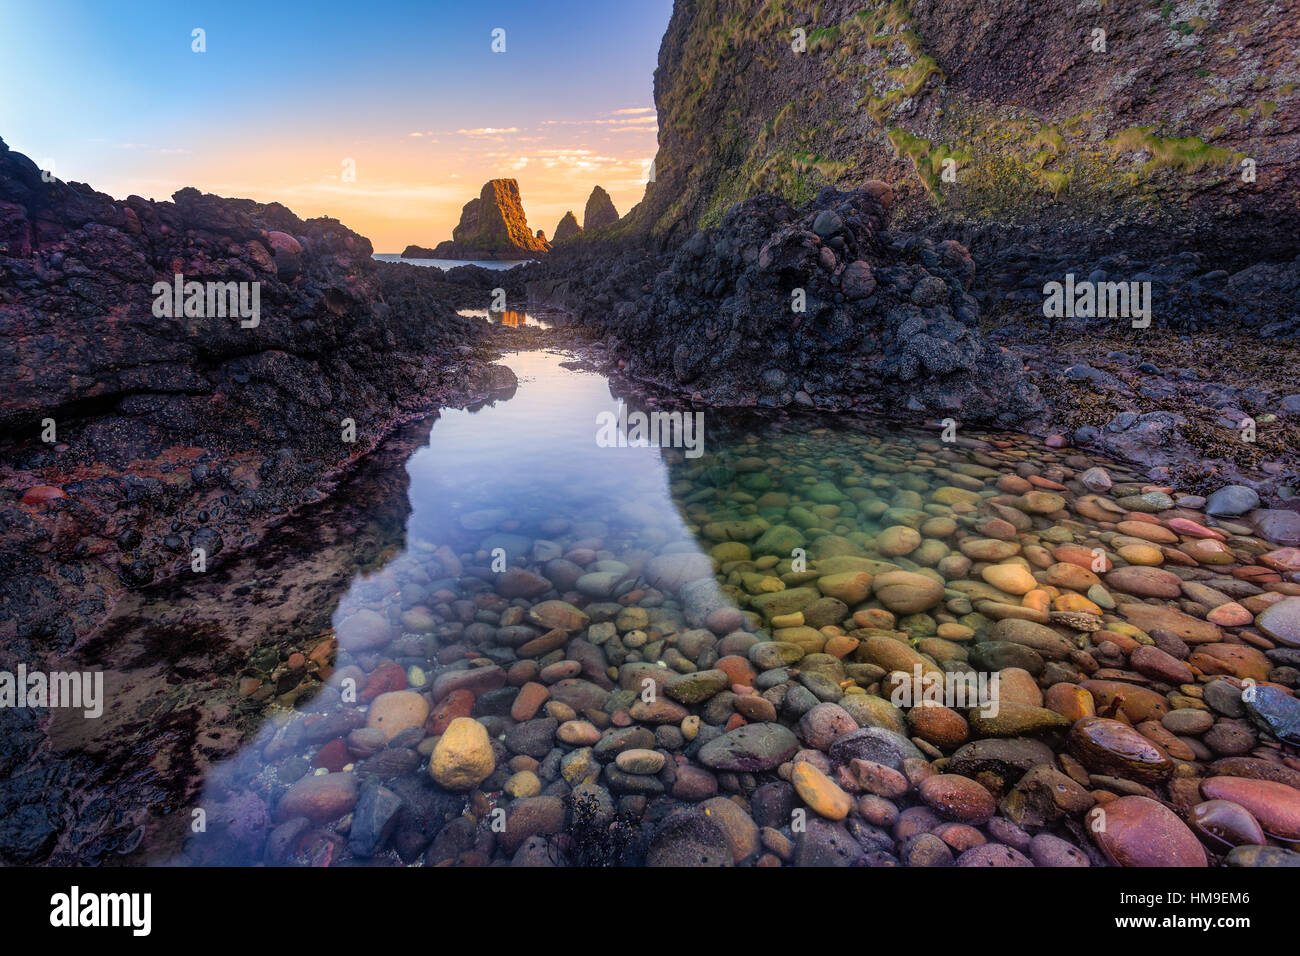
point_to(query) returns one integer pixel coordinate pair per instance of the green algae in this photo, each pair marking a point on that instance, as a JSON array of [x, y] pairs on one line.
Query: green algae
[[1184, 154], [927, 159]]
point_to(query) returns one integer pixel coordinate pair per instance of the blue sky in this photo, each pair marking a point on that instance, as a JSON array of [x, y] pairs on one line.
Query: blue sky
[[113, 95]]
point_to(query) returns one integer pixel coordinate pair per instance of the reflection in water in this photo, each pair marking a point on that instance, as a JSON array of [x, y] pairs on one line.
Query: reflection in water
[[191, 666], [532, 554], [499, 265], [512, 318], [522, 483]]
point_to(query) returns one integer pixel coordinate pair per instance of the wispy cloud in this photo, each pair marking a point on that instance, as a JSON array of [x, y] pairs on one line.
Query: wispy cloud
[[160, 150], [639, 120], [488, 131], [333, 188]]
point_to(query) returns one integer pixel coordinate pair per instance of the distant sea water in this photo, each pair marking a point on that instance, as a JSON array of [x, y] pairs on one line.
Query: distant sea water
[[446, 264]]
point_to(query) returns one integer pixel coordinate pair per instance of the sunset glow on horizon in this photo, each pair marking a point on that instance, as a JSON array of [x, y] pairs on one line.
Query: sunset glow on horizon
[[283, 104]]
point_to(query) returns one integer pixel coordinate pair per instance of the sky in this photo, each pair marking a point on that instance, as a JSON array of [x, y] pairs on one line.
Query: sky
[[388, 117]]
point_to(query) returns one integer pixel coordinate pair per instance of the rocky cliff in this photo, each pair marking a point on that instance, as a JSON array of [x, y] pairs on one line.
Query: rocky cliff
[[135, 431], [1148, 127], [1148, 144], [493, 226]]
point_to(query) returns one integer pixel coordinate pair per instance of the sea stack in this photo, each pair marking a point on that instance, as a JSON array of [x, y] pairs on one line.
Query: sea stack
[[493, 226], [600, 211], [567, 229]]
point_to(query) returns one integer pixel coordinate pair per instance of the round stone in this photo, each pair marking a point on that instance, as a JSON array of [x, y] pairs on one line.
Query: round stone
[[898, 540], [938, 725], [1145, 582], [1222, 825], [1111, 747], [321, 798], [1232, 500], [1139, 831], [1187, 721], [397, 711], [1275, 805], [851, 587], [463, 757], [821, 725], [1012, 578], [957, 798], [640, 760], [821, 793], [1281, 621], [905, 592], [750, 749], [366, 630]]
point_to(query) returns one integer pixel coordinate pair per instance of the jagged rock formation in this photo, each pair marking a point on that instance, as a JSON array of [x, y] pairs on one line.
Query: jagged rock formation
[[600, 211], [190, 430], [418, 252], [493, 226], [1137, 147], [567, 228], [816, 306]]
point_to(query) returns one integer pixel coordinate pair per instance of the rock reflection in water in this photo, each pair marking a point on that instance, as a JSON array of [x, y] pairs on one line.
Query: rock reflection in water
[[512, 318], [516, 515], [190, 668], [576, 652]]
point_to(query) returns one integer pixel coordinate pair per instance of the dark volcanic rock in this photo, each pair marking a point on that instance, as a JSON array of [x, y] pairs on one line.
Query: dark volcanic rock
[[689, 838], [418, 252], [196, 427], [763, 310], [1276, 711]]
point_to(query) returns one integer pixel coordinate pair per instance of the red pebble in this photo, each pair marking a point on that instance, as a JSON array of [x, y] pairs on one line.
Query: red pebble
[[458, 703], [334, 756], [384, 678]]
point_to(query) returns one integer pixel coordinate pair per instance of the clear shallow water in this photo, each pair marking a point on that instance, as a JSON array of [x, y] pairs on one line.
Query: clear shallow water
[[413, 546], [445, 264], [540, 463], [524, 475], [402, 567]]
